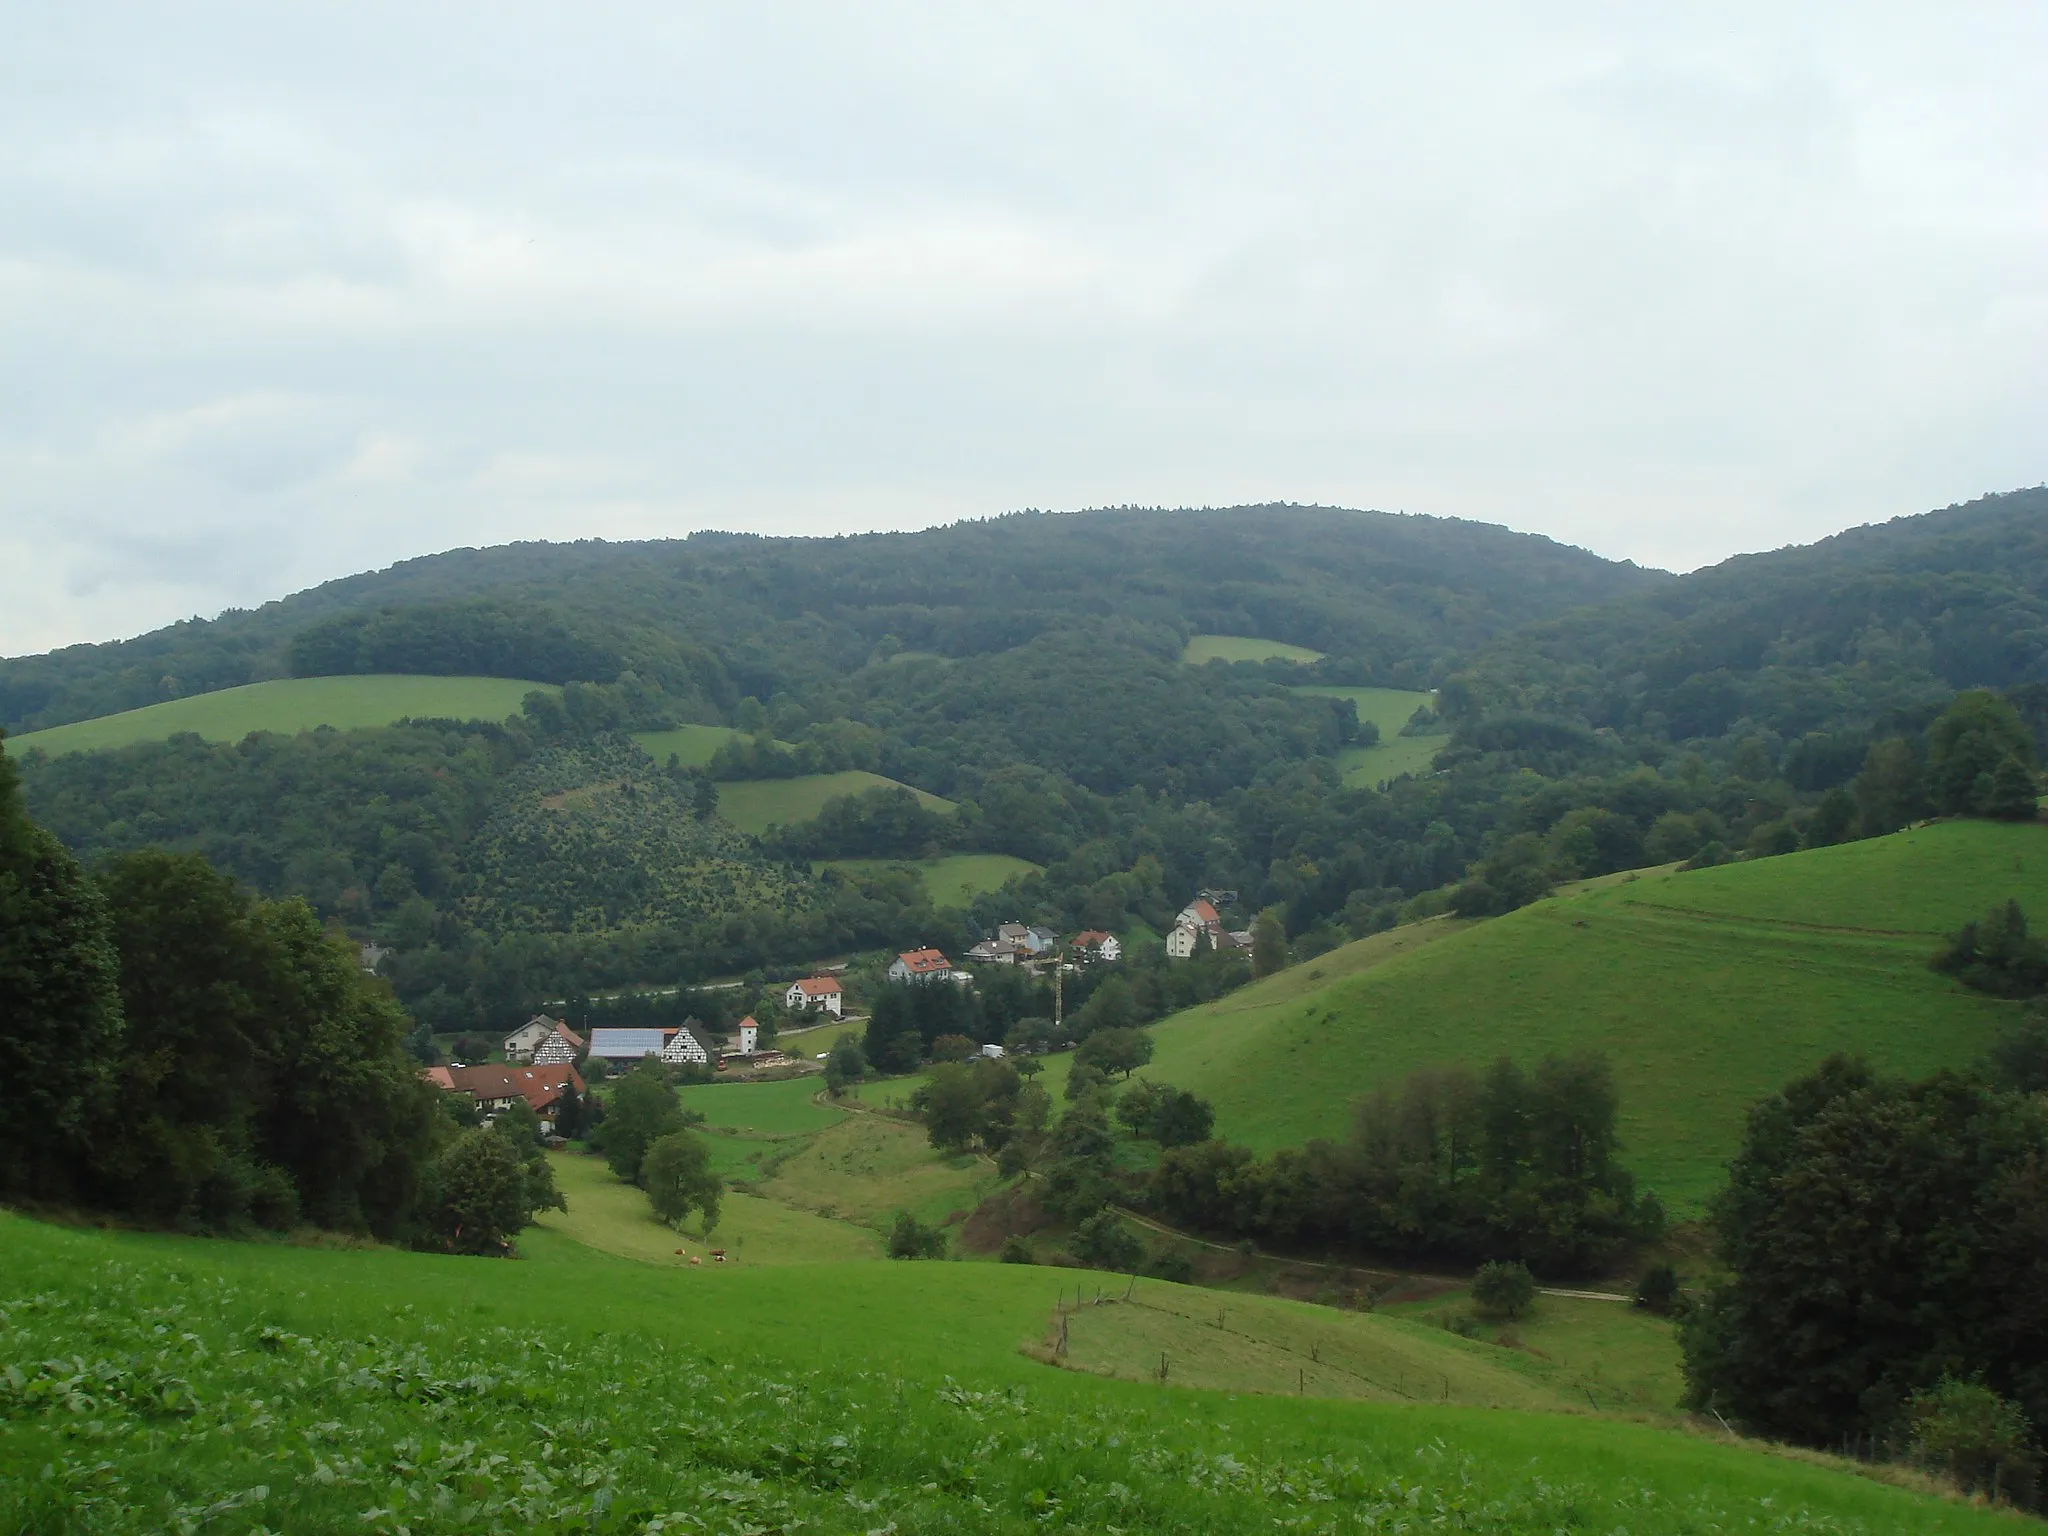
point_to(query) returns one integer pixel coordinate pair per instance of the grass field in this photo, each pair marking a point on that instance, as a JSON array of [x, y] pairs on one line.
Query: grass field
[[690, 745], [784, 1108], [1706, 990], [152, 1383], [870, 1167], [955, 879], [290, 705], [754, 805], [613, 1217], [1389, 709], [1203, 648]]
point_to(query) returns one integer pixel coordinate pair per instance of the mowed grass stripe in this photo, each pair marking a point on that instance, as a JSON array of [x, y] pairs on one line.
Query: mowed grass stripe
[[754, 805], [1700, 1015], [290, 705]]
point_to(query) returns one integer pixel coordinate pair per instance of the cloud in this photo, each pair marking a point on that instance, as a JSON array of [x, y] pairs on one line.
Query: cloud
[[288, 294]]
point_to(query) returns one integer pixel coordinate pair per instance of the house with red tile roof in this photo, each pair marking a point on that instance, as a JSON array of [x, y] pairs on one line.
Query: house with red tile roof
[[820, 992], [920, 965]]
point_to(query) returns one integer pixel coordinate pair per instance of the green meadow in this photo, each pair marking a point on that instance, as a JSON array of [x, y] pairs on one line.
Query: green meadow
[[1707, 990], [1389, 709], [288, 706], [953, 880], [1201, 648], [785, 1108], [690, 745], [154, 1383], [867, 1168], [754, 805]]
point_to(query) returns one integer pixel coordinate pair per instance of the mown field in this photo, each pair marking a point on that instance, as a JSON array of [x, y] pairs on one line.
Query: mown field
[[754, 805], [290, 705], [1706, 990], [153, 1383], [953, 880], [1201, 648], [690, 745], [1389, 709]]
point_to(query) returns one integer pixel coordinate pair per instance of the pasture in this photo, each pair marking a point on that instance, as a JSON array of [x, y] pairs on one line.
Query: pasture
[[1202, 648], [954, 880], [784, 1108], [1389, 709], [690, 745], [287, 706], [1706, 990], [869, 1167], [754, 805], [153, 1383]]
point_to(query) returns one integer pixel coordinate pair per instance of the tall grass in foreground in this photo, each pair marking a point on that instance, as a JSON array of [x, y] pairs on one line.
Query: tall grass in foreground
[[149, 1391]]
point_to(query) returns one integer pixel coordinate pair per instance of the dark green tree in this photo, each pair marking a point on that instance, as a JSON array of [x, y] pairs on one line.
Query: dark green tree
[[643, 1108], [1877, 1236], [678, 1177], [910, 1238], [1103, 1242], [1269, 942], [1118, 1051], [1968, 746], [1504, 1289], [59, 980], [479, 1197]]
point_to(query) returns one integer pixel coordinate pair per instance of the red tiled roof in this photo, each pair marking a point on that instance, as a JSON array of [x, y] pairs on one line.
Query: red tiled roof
[[817, 986], [924, 960], [1092, 939], [1203, 911], [539, 1086]]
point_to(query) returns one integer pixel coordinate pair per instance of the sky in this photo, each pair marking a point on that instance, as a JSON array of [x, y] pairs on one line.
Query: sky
[[288, 292]]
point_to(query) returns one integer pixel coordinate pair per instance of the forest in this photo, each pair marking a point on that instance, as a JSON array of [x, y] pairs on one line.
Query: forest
[[1029, 670]]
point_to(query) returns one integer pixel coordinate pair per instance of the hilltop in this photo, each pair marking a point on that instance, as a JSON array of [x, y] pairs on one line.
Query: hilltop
[[1707, 990]]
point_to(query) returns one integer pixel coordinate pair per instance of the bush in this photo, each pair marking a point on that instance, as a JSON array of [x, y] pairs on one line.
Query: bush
[[1657, 1290], [1504, 1290], [912, 1239], [1980, 1440], [1101, 1242], [1016, 1251], [1177, 1267]]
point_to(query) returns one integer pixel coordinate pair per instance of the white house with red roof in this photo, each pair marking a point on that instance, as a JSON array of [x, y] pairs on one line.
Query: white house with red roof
[[1093, 944], [816, 992], [920, 965], [541, 1033]]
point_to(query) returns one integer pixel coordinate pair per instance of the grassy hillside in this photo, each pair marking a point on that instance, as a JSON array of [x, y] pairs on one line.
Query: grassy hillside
[[1201, 648], [290, 705], [691, 745], [1389, 709], [169, 1383], [869, 1167], [1707, 990], [957, 878], [754, 805]]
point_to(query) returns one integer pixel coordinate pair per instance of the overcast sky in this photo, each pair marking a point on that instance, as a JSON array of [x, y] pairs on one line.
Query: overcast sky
[[288, 292]]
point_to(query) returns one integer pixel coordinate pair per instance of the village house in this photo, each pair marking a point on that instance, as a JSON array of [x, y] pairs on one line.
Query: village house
[[1093, 944], [1183, 942], [920, 965], [688, 1046], [498, 1088], [821, 992], [997, 952], [1200, 913], [1034, 941], [543, 1040]]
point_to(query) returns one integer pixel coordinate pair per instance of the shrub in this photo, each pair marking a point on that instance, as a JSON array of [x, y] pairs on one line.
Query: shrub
[[1657, 1290], [912, 1239], [1177, 1267], [1101, 1242], [1016, 1251], [1504, 1289], [1980, 1440]]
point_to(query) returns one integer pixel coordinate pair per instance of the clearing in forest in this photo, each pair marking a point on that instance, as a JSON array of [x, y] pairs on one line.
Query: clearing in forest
[[754, 805], [287, 706], [1201, 648]]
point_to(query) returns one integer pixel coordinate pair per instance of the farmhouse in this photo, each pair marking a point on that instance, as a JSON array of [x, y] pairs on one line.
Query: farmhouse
[[688, 1045], [1093, 944], [821, 992], [1200, 913], [624, 1047], [1184, 941], [497, 1088], [544, 1040], [920, 965]]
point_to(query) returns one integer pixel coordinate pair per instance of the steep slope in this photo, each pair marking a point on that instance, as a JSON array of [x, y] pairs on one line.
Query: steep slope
[[1707, 990]]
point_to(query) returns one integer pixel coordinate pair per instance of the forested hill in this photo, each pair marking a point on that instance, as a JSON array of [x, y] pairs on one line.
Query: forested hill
[[717, 617], [1893, 616]]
